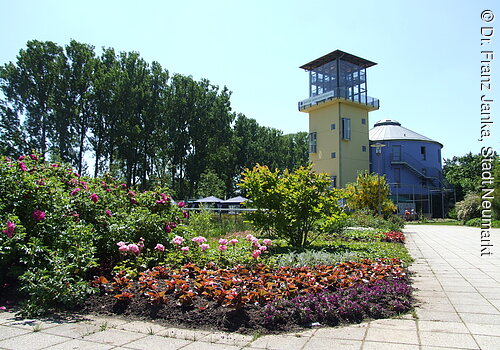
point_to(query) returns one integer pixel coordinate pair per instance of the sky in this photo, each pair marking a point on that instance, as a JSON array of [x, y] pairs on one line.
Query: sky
[[428, 52]]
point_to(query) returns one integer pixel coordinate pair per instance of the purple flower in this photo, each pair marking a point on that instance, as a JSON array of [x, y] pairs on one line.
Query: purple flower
[[168, 229], [23, 166], [38, 215], [233, 241], [223, 241], [185, 214], [108, 213], [222, 247], [160, 247], [94, 197], [10, 229], [75, 191], [204, 247]]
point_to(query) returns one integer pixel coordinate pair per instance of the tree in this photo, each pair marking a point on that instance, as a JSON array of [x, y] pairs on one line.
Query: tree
[[464, 174], [290, 204], [469, 208], [364, 194]]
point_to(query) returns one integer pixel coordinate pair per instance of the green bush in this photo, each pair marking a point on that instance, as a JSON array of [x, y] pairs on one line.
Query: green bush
[[312, 258], [476, 222], [469, 208], [57, 226], [364, 218], [290, 205]]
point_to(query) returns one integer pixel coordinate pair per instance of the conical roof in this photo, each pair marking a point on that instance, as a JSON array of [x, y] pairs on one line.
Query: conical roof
[[389, 129]]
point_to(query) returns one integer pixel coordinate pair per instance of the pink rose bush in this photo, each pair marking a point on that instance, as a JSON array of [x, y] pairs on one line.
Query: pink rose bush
[[10, 229]]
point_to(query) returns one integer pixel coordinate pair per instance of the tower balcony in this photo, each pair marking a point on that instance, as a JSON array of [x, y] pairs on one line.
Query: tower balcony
[[343, 94]]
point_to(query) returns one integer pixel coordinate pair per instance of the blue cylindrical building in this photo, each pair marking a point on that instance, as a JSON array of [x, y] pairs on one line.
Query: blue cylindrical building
[[412, 165]]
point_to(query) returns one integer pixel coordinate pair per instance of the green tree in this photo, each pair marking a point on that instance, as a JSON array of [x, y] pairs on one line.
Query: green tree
[[364, 194], [464, 174], [290, 204]]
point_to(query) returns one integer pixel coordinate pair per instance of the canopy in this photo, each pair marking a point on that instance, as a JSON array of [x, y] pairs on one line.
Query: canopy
[[211, 199], [235, 200]]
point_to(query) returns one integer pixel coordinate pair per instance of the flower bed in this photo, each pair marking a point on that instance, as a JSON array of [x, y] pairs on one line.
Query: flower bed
[[393, 236], [267, 294]]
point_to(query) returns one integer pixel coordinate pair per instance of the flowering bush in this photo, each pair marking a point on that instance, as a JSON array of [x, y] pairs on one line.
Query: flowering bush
[[57, 225]]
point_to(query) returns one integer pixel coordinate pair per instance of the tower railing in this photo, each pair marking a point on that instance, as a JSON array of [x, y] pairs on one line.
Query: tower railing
[[339, 93]]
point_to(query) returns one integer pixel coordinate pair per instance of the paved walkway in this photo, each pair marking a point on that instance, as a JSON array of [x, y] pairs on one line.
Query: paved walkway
[[460, 309]]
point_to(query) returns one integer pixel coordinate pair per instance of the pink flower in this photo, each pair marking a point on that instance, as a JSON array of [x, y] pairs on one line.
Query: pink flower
[[75, 191], [185, 249], [249, 237], [173, 225], [223, 241], [7, 159], [131, 193], [120, 244], [94, 197], [38, 215], [84, 184], [222, 247], [160, 247], [185, 214], [3, 308], [134, 249], [21, 158], [255, 242], [267, 241], [140, 244], [178, 240], [108, 213], [256, 253], [204, 247], [199, 239], [76, 174], [123, 249], [55, 165], [23, 166], [168, 229], [33, 156], [234, 241], [263, 248], [10, 229], [108, 190], [181, 204]]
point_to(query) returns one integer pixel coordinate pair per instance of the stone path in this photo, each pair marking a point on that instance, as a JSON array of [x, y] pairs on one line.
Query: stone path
[[459, 294]]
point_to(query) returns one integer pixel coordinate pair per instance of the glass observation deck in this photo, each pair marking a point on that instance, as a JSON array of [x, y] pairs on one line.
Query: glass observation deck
[[338, 75]]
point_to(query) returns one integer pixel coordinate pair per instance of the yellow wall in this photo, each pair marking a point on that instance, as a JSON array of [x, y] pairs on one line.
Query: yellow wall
[[350, 158]]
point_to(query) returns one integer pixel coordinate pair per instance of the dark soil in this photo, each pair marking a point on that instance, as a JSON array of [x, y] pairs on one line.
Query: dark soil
[[201, 315]]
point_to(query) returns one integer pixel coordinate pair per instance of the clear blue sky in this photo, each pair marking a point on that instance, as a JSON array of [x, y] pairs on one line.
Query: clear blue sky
[[428, 52]]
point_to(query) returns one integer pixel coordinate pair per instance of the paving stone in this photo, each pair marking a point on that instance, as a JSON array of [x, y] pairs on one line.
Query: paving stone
[[31, 341], [446, 327], [157, 342], [370, 345], [392, 336], [337, 344], [227, 338], [394, 323], [73, 330], [108, 322], [181, 333], [461, 341], [484, 329], [79, 344], [356, 332], [488, 342], [477, 309], [7, 317], [207, 346], [9, 332], [279, 342], [149, 328], [114, 337], [480, 318], [32, 324], [427, 315]]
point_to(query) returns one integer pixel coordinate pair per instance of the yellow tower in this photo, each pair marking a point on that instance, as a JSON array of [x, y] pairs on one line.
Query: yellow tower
[[338, 108]]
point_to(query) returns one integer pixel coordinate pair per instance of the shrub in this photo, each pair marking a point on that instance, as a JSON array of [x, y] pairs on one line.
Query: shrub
[[476, 222], [469, 208], [59, 225], [366, 193], [288, 204], [312, 258], [364, 218]]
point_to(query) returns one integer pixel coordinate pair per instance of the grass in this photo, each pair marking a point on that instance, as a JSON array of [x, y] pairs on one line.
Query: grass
[[437, 222]]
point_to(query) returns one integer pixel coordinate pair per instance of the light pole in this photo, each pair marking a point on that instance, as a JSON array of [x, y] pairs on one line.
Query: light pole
[[378, 150]]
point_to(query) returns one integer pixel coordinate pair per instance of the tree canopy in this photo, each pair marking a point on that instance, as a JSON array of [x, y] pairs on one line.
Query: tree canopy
[[133, 119]]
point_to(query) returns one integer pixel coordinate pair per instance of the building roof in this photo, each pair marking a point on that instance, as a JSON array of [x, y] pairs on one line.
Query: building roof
[[235, 200], [338, 54], [210, 199], [389, 129]]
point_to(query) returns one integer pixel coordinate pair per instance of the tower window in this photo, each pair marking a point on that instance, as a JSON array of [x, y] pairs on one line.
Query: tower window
[[333, 182], [363, 148], [334, 155], [423, 152], [346, 129], [363, 121], [312, 142], [397, 175], [333, 126]]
